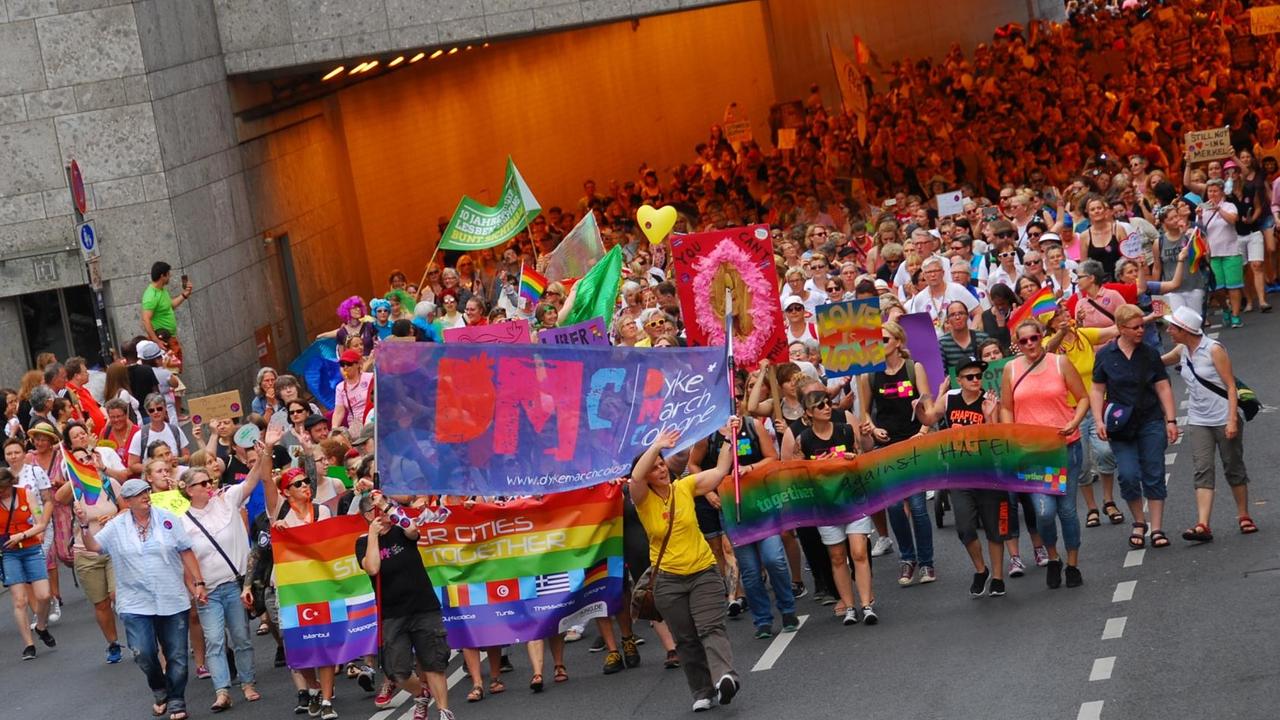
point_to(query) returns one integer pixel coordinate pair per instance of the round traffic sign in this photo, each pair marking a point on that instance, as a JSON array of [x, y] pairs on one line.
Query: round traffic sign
[[77, 188], [87, 238]]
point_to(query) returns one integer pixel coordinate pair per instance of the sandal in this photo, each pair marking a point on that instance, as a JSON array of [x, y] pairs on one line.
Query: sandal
[[1137, 539], [251, 693], [476, 694], [496, 687], [1092, 518], [221, 702], [264, 628], [1199, 533], [1113, 512], [179, 715], [1247, 526], [157, 709], [535, 684], [1159, 539], [562, 674], [352, 670]]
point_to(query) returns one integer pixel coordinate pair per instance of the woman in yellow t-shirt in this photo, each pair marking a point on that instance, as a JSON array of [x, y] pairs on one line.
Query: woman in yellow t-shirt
[[689, 591]]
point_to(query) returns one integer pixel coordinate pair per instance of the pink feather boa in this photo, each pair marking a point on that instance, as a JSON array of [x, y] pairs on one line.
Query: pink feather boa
[[747, 350]]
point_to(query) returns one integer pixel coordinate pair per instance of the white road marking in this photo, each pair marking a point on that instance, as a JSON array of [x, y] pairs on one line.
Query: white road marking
[[1102, 668], [779, 644], [1166, 478], [1182, 421], [402, 697], [1114, 628], [1090, 711], [1169, 458], [1213, 335], [1182, 403], [1134, 558], [1124, 591]]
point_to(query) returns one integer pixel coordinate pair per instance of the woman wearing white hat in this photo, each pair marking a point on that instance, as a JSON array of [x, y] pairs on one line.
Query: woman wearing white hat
[[1213, 419]]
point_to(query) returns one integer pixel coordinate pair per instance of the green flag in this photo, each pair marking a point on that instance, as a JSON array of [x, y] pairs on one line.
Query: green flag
[[476, 226], [595, 294]]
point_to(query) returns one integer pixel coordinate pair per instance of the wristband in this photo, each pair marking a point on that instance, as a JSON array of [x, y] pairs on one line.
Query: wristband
[[199, 584], [1171, 422]]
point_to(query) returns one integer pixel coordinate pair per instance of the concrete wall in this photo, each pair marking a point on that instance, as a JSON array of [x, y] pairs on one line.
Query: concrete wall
[[798, 32], [270, 34], [586, 103]]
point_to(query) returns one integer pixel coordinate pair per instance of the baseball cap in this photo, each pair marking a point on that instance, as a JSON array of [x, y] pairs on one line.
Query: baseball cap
[[350, 357], [148, 350], [134, 487]]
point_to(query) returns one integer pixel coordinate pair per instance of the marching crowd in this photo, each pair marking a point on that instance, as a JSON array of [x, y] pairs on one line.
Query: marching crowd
[[1087, 255]]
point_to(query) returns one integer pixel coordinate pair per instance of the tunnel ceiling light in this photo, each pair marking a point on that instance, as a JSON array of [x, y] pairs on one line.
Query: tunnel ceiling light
[[333, 73], [399, 59], [372, 64], [357, 69], [485, 45], [417, 57], [437, 54], [453, 51], [470, 46]]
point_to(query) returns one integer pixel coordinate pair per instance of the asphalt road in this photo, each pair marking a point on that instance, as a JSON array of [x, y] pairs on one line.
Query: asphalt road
[[1198, 638]]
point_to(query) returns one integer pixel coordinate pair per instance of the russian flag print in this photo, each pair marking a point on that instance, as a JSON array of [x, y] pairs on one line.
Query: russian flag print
[[328, 613], [525, 569]]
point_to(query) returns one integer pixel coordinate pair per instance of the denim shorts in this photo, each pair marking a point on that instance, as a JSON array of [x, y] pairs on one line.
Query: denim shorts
[[24, 566]]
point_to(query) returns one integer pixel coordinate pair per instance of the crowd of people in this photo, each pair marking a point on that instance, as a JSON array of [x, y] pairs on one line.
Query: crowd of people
[[1078, 198]]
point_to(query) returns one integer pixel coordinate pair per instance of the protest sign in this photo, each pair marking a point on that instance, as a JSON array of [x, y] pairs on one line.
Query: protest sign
[[222, 406], [990, 376], [1208, 144], [922, 343], [512, 332], [950, 203], [739, 260], [805, 493], [849, 336], [1264, 20], [738, 132], [577, 252], [476, 226], [328, 614], [786, 138], [171, 500], [853, 88], [521, 419], [589, 332], [526, 569]]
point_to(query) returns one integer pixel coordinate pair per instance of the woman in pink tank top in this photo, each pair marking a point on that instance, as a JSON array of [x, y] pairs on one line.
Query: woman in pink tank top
[[1034, 391]]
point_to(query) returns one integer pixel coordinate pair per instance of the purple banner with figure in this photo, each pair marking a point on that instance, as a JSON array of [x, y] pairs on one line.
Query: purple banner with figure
[[535, 419]]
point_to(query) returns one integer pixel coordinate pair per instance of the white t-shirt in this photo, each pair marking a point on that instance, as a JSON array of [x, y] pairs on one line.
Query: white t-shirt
[[221, 517], [902, 277], [165, 435], [35, 480], [1220, 234], [924, 301]]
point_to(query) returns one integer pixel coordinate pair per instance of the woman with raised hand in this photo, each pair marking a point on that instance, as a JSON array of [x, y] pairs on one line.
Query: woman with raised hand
[[688, 590]]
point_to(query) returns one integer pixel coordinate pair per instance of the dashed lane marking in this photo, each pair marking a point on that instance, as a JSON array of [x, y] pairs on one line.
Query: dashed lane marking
[[1090, 710], [1114, 628], [1169, 458], [1134, 558], [1102, 668], [775, 649], [1124, 591]]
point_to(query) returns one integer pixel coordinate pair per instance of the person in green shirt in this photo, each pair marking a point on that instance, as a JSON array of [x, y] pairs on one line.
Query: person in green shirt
[[158, 306]]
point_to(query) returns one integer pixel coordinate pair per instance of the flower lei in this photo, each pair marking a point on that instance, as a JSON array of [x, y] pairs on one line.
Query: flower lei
[[749, 349]]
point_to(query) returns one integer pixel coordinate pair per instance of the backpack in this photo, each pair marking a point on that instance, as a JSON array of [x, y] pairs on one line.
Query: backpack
[[143, 444]]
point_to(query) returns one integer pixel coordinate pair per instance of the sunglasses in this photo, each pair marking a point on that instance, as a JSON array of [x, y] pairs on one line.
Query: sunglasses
[[819, 266], [1034, 234], [297, 412], [1008, 254], [896, 261], [204, 482], [832, 288], [346, 364], [1029, 340], [971, 376], [1004, 234], [885, 338], [297, 484], [820, 405], [823, 233], [1033, 262], [156, 409], [795, 309], [655, 323]]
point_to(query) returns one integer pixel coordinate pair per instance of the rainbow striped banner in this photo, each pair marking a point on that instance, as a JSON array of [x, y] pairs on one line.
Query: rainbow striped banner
[[1039, 304], [1197, 251], [806, 493], [532, 284], [328, 614], [86, 481], [522, 570]]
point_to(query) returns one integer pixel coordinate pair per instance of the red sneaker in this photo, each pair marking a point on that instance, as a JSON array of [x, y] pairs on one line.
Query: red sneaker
[[385, 693]]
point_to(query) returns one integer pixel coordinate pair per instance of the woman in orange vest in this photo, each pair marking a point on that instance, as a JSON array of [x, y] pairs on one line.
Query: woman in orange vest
[[24, 570]]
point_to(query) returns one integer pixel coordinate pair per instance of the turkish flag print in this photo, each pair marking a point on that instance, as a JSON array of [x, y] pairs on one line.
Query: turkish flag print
[[313, 614]]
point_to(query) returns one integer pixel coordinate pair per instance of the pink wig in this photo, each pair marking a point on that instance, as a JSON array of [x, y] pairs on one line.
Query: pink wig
[[344, 310]]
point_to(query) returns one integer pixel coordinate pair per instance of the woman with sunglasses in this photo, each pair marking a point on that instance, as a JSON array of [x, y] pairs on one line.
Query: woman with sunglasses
[[891, 402], [450, 317], [797, 317], [351, 397], [1034, 390], [218, 539], [1008, 266], [1104, 235]]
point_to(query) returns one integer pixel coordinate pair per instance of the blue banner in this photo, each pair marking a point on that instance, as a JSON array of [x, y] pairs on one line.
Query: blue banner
[[535, 419]]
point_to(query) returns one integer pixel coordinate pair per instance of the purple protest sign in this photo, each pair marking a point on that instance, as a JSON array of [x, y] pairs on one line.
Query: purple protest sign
[[533, 419], [922, 343], [588, 332], [512, 332]]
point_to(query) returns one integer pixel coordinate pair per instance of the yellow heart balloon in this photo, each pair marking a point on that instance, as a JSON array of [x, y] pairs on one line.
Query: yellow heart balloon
[[656, 223]]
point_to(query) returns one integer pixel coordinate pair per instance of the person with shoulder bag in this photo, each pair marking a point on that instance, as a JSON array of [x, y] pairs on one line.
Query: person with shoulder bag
[[1213, 420], [22, 565], [683, 585]]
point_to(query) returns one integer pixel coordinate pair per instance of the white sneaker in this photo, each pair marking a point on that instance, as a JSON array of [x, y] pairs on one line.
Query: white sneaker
[[574, 634], [55, 610], [702, 705], [850, 616], [883, 546]]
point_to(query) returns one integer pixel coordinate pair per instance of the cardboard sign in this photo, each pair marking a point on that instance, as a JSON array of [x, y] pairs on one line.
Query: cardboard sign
[[222, 406], [590, 332], [1131, 246], [513, 332], [738, 132], [1264, 20], [849, 335], [170, 500], [950, 203], [786, 138], [1208, 144]]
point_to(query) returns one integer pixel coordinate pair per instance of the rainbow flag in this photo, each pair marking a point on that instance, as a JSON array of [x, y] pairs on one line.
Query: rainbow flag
[[86, 481], [1039, 304], [532, 284], [1197, 251], [328, 613], [804, 493], [521, 570]]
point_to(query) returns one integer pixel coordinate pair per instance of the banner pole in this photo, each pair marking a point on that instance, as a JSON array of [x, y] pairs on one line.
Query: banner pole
[[426, 270], [733, 401]]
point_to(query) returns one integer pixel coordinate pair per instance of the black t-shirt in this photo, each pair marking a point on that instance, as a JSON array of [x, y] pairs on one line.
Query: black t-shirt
[[235, 470], [813, 446], [142, 382], [892, 401], [960, 412], [405, 587]]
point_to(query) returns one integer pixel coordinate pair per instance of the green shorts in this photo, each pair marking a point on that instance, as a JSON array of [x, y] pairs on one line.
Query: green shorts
[[1228, 272]]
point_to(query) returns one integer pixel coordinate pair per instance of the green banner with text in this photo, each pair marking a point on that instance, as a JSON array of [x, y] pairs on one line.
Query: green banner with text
[[476, 226]]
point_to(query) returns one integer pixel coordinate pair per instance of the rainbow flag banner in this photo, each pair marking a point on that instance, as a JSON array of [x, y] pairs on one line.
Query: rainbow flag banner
[[86, 481], [532, 284], [522, 570], [1039, 304], [1197, 251], [804, 493], [327, 610]]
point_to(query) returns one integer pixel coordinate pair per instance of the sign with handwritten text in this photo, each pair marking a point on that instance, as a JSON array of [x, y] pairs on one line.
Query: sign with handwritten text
[[535, 419], [1209, 144], [849, 335], [587, 332]]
